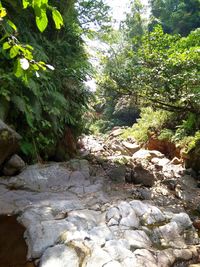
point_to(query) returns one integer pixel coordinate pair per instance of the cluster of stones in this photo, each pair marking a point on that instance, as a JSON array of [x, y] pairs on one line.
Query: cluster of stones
[[162, 180], [72, 219]]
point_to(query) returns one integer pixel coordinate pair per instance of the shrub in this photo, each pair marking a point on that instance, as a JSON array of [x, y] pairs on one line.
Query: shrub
[[149, 120]]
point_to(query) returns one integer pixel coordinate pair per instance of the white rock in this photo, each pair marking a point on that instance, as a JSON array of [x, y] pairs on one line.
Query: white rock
[[100, 234], [147, 154], [183, 220], [128, 215], [84, 219], [43, 235], [153, 215], [117, 249], [161, 162], [131, 262], [145, 258], [59, 256], [113, 213], [116, 132], [139, 207], [149, 214], [166, 258], [98, 258], [169, 235], [113, 264], [137, 239]]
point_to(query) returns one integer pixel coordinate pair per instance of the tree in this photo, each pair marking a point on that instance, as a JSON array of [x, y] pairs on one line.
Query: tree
[[179, 16]]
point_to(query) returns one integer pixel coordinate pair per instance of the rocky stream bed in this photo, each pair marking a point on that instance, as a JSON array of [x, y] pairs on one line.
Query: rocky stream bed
[[117, 205]]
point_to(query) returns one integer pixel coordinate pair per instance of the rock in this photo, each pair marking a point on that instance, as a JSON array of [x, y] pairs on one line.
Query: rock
[[42, 178], [128, 215], [176, 161], [9, 142], [52, 177], [118, 249], [139, 207], [81, 165], [59, 256], [137, 239], [183, 220], [147, 154], [117, 173], [84, 219], [168, 257], [120, 159], [160, 163], [116, 132], [113, 264], [13, 166], [142, 176], [41, 235], [114, 214], [131, 147], [116, 147], [148, 214], [169, 235], [98, 258], [100, 234], [145, 258]]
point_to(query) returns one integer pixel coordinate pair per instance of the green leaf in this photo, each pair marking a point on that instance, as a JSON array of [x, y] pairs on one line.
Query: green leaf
[[57, 18], [42, 21], [25, 3], [6, 46], [37, 3], [14, 51], [12, 25], [18, 71]]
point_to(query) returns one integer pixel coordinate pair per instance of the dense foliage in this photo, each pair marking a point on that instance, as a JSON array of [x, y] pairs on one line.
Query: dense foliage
[[44, 92], [154, 66], [179, 16]]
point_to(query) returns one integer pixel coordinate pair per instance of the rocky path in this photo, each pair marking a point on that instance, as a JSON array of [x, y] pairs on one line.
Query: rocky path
[[116, 206]]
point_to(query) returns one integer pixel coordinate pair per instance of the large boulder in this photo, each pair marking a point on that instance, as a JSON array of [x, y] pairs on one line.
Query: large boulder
[[52, 177], [143, 176], [9, 142], [13, 166]]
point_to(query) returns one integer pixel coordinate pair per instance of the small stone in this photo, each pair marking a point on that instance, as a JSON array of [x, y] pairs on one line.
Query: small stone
[[131, 147], [116, 132]]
